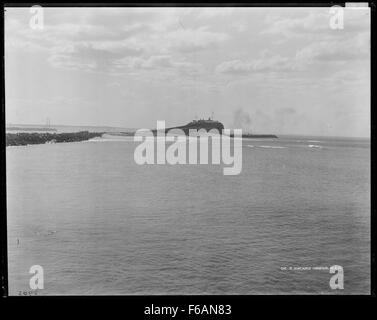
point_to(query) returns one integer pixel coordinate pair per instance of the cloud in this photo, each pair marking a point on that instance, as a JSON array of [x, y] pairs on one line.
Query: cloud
[[286, 111], [234, 67], [153, 62], [94, 32], [208, 58], [67, 62], [352, 49], [341, 52], [159, 62], [270, 63], [316, 23], [89, 56], [208, 13], [114, 84], [190, 39], [99, 39], [313, 22]]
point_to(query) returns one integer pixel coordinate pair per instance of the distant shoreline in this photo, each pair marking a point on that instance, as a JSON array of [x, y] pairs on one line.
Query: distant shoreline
[[246, 135], [116, 129], [29, 129]]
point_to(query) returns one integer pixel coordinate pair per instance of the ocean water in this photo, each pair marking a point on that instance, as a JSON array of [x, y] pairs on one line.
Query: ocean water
[[98, 223]]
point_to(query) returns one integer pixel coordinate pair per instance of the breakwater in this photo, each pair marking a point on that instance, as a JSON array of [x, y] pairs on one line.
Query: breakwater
[[25, 138], [260, 136]]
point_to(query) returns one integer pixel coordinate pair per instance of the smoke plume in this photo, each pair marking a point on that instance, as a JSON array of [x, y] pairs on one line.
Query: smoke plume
[[242, 120]]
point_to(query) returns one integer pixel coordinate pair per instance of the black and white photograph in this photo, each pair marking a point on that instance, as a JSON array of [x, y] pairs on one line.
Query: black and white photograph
[[187, 150]]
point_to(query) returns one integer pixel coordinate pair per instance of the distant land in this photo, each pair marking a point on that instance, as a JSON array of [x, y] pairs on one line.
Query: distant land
[[206, 124], [30, 129], [209, 124], [128, 131], [66, 128]]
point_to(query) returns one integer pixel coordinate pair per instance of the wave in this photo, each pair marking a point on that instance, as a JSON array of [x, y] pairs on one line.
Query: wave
[[273, 147]]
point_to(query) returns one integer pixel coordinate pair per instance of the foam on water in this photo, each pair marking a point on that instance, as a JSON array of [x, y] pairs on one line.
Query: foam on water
[[314, 146], [273, 147]]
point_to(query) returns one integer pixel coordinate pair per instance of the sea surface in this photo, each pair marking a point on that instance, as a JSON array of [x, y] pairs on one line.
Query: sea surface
[[98, 223]]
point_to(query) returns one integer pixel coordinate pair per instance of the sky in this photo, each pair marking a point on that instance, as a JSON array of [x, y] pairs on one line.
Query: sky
[[265, 70]]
